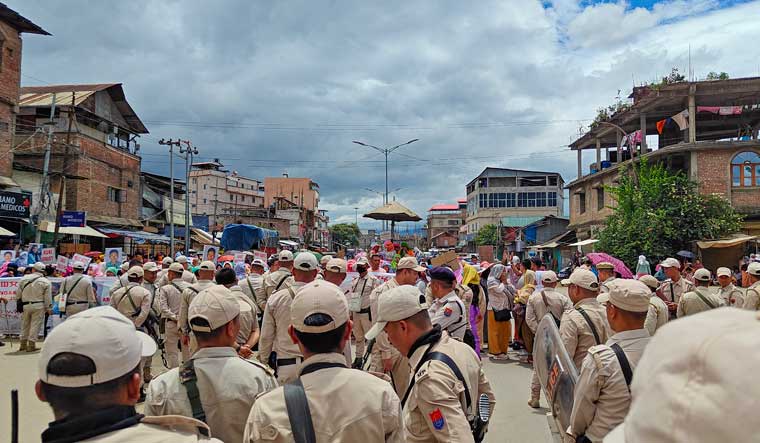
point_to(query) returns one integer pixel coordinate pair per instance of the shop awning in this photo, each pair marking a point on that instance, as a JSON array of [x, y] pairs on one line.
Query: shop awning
[[727, 243], [86, 231], [116, 221], [292, 244], [202, 237], [584, 242], [137, 236], [6, 233]]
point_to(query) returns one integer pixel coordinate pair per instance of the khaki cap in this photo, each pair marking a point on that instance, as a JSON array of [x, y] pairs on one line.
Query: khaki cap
[[258, 262], [650, 280], [78, 265], [215, 304], [325, 258], [410, 263], [101, 334], [124, 266], [548, 277], [754, 269], [39, 266], [306, 261], [285, 255], [150, 267], [181, 259], [176, 267], [702, 274], [207, 266], [362, 261], [670, 263], [397, 304], [583, 278], [167, 261], [135, 271], [628, 295], [319, 297], [337, 265], [724, 272], [605, 265], [689, 371]]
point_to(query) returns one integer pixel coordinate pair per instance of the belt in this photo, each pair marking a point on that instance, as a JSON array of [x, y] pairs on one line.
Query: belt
[[24, 303], [76, 302], [365, 311], [287, 361]]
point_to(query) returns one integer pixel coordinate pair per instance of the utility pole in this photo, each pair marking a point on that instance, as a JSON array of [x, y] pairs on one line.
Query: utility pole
[[189, 152], [45, 184], [64, 168], [356, 216], [171, 143]]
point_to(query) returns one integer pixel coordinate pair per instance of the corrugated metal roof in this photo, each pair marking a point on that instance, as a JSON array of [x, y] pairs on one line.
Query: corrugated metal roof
[[516, 221], [444, 207]]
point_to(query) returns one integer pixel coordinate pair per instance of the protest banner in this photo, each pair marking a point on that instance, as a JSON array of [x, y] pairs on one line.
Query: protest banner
[[239, 257], [82, 258], [62, 262], [261, 255], [48, 256], [447, 258]]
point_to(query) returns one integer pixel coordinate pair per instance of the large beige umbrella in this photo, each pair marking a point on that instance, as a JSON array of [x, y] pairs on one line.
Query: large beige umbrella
[[394, 212]]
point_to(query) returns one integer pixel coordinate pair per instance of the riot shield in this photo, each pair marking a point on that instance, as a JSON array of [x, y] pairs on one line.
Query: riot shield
[[556, 371]]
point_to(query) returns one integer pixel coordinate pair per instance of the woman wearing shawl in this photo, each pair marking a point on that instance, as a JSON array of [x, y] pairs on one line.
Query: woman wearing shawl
[[499, 332], [471, 280], [642, 267], [521, 300]]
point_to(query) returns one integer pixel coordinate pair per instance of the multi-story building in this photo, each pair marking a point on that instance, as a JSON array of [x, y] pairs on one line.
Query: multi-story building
[[498, 193], [301, 191], [444, 222], [707, 129], [12, 25], [222, 195]]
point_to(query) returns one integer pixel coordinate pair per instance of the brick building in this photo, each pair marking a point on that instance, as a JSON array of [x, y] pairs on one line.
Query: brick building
[[95, 144], [707, 129], [446, 219], [12, 25], [301, 191]]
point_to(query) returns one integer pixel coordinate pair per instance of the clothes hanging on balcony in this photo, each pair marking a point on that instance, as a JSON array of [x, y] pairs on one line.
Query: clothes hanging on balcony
[[682, 119]]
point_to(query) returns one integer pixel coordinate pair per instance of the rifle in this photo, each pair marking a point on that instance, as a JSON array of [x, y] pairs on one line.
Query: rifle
[[367, 354], [153, 328]]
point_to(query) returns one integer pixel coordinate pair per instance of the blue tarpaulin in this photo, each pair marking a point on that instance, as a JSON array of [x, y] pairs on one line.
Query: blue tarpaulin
[[244, 237]]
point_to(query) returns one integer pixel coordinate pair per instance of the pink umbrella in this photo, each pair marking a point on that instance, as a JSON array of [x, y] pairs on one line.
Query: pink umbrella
[[620, 267]]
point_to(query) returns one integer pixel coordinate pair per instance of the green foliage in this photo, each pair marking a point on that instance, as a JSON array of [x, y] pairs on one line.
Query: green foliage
[[672, 78], [487, 235], [660, 212], [605, 114], [345, 233], [715, 76]]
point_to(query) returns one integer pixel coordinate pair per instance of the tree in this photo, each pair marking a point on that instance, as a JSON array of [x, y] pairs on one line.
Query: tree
[[345, 233], [487, 235], [660, 212], [715, 76]]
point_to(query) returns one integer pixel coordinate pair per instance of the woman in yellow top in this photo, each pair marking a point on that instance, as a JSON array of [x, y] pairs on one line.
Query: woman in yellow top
[[521, 300]]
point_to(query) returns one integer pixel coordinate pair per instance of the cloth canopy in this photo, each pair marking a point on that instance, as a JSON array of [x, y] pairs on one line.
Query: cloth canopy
[[393, 212], [138, 236], [584, 242], [240, 237], [727, 243], [6, 233], [86, 231]]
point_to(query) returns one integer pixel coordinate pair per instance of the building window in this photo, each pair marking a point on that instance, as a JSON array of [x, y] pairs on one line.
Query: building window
[[204, 186], [551, 199], [116, 195], [204, 201], [745, 170], [511, 200], [552, 180], [242, 199], [483, 200], [599, 199], [195, 181], [232, 197], [581, 202], [483, 182]]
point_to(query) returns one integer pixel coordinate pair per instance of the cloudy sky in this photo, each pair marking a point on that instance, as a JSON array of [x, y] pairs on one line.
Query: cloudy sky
[[269, 87]]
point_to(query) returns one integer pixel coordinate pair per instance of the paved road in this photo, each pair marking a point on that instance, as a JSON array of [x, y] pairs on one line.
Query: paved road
[[513, 420]]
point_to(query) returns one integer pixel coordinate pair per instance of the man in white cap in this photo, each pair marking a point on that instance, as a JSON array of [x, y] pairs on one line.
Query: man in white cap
[[161, 280], [361, 288], [730, 294], [93, 390], [187, 276], [701, 298], [215, 385], [322, 264], [275, 346], [658, 314], [438, 403], [205, 279], [170, 301], [121, 281], [79, 291], [675, 286], [752, 295], [606, 272], [602, 393], [693, 368], [586, 324], [385, 357], [253, 281], [540, 303], [33, 293], [150, 274], [335, 271], [342, 405], [280, 279], [249, 333]]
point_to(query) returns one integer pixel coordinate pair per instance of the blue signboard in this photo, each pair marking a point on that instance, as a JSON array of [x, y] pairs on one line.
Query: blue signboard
[[73, 219]]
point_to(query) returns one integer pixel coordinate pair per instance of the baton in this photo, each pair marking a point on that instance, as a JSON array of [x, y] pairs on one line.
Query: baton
[[14, 416]]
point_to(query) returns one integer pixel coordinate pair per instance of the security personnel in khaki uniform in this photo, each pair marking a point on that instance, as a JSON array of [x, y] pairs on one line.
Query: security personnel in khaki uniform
[[730, 294], [275, 281], [335, 272], [150, 275], [248, 334], [33, 292], [752, 295], [447, 310], [253, 280], [206, 279], [215, 385], [701, 298], [80, 294], [274, 325], [169, 301], [345, 406], [541, 303], [187, 276], [78, 354], [658, 313], [602, 393], [606, 275], [162, 278], [674, 287], [385, 357], [121, 281], [437, 404], [585, 325], [361, 289]]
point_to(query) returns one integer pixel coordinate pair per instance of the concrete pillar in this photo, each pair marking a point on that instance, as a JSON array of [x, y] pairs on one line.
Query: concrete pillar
[[580, 161], [619, 144], [643, 121], [692, 113], [598, 155]]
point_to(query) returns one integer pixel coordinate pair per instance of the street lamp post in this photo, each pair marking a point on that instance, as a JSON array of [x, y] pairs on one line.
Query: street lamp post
[[386, 152], [356, 216]]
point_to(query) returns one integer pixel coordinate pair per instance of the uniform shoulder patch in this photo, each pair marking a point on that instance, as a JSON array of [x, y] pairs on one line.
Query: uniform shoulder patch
[[448, 311], [436, 417]]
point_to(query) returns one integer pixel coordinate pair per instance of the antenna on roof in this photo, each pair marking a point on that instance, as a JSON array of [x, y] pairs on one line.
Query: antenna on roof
[[691, 73]]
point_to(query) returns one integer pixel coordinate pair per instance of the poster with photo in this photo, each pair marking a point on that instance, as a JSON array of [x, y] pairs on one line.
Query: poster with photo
[[8, 255], [210, 253], [113, 257], [34, 253]]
